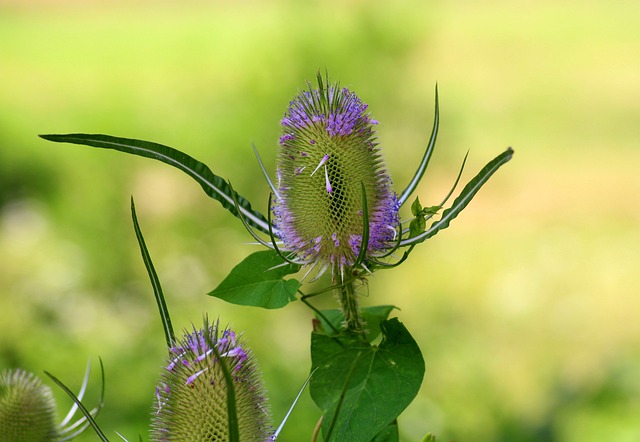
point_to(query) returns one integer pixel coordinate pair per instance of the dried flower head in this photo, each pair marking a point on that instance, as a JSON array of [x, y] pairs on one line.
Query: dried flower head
[[192, 395], [329, 170]]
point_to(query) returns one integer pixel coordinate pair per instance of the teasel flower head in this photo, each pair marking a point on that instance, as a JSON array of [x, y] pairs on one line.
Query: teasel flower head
[[27, 408], [334, 194], [192, 396]]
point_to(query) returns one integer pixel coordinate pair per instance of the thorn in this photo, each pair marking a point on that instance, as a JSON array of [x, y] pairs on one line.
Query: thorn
[[327, 183], [321, 163], [366, 268]]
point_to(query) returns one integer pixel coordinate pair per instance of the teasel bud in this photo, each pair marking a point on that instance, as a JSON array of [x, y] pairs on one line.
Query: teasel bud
[[328, 156], [192, 394], [27, 408]]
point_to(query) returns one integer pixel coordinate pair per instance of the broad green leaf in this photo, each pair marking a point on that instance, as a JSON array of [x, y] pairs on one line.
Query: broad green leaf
[[213, 185], [390, 433], [463, 199], [360, 388], [258, 281], [372, 317]]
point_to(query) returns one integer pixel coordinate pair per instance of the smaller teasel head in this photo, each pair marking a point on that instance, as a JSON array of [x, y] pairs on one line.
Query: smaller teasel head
[[329, 170], [27, 408], [192, 394]]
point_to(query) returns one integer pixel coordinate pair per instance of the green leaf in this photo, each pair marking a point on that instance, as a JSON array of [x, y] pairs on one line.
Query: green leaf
[[390, 433], [467, 194], [416, 207], [429, 438], [155, 281], [257, 281], [360, 388], [417, 226], [431, 210], [372, 317], [213, 185], [419, 223]]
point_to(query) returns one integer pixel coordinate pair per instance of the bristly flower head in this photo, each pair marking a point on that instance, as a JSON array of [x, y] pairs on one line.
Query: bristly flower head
[[328, 156], [192, 395], [27, 408]]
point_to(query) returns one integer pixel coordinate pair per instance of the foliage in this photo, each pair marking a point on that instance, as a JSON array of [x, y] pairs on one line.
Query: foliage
[[68, 252], [351, 377]]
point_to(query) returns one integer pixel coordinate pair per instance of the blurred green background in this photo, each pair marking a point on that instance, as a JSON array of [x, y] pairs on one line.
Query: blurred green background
[[526, 309]]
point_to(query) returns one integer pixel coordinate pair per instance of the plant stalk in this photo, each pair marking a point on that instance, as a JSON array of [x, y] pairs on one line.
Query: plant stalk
[[349, 303]]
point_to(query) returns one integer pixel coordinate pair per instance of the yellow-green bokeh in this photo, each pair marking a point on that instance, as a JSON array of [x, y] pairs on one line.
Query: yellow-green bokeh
[[526, 308]]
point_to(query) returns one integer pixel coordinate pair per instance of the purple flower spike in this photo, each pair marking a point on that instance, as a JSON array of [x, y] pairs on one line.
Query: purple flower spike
[[319, 210], [192, 397]]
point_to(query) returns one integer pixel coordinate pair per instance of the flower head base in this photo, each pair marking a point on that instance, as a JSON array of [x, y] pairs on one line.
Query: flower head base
[[27, 408], [328, 155], [192, 396]]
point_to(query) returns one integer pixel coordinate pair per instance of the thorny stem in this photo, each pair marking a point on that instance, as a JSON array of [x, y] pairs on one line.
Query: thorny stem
[[349, 303]]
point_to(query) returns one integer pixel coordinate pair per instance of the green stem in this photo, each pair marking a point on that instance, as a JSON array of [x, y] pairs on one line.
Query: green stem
[[349, 303]]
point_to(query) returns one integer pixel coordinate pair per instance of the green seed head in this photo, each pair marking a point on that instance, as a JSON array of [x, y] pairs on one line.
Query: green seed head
[[192, 395], [27, 408], [328, 153]]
